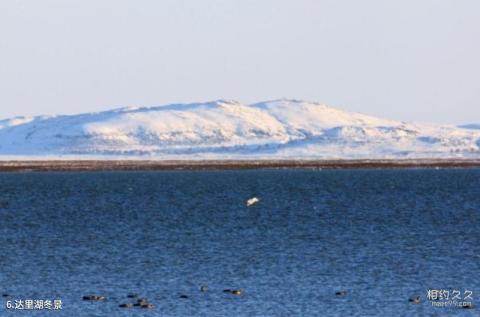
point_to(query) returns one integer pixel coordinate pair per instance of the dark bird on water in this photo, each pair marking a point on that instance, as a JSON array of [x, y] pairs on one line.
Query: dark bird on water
[[128, 305], [94, 297], [414, 300], [233, 291], [147, 305]]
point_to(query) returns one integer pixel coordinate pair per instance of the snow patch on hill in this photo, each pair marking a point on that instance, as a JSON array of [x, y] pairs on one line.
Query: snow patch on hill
[[471, 126]]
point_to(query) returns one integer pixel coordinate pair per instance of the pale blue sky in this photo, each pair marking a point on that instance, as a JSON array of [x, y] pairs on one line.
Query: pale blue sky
[[405, 59]]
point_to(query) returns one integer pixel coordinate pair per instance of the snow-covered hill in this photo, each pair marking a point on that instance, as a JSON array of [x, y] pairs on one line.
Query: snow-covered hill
[[228, 129]]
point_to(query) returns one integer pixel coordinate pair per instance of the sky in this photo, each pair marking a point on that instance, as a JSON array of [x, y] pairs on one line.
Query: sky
[[407, 60]]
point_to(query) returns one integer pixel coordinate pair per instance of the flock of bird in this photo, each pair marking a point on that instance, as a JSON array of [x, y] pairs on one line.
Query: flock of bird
[[143, 303]]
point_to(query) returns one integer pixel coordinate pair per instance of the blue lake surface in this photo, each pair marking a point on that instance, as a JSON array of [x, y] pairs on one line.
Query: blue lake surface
[[380, 235]]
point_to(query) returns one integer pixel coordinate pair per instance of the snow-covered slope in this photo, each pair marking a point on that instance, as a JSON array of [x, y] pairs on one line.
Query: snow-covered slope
[[228, 129]]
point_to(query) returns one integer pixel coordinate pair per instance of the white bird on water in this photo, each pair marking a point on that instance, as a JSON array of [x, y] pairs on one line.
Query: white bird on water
[[252, 201]]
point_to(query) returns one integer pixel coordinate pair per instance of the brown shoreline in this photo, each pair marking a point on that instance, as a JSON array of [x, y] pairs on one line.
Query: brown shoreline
[[147, 165]]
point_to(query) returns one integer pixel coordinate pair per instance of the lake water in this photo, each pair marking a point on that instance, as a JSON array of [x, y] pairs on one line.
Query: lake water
[[380, 235]]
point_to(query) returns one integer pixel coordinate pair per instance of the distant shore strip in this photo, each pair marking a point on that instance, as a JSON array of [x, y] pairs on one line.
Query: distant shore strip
[[159, 165]]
